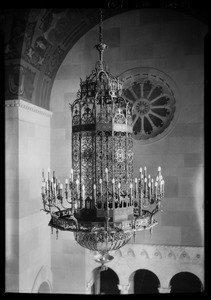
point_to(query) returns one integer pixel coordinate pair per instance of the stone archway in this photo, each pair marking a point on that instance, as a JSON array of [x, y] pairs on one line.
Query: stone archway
[[185, 282], [109, 282], [145, 282]]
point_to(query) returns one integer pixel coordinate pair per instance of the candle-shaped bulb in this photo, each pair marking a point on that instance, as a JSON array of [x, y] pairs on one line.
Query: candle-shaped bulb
[[113, 180], [145, 171], [149, 176], [159, 169], [71, 174], [131, 185], [52, 180], [106, 171], [152, 180], [157, 178], [145, 179], [66, 181], [83, 192], [136, 180], [156, 183], [140, 170], [43, 176], [49, 174], [100, 181], [94, 187], [61, 186], [119, 185]]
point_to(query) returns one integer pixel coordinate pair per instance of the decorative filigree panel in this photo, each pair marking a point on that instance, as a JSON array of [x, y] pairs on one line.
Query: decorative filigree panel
[[154, 98]]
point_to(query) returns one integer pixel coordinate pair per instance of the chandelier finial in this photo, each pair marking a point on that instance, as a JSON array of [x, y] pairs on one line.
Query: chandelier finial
[[101, 46]]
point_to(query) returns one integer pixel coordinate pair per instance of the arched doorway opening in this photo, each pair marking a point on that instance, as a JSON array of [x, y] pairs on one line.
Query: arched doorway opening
[[145, 282], [185, 282], [109, 282], [44, 288]]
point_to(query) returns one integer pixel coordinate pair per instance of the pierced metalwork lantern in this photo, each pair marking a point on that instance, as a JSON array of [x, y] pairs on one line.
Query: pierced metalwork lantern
[[103, 205]]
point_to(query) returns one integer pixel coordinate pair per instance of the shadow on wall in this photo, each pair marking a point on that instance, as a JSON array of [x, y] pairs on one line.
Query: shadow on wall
[[44, 288]]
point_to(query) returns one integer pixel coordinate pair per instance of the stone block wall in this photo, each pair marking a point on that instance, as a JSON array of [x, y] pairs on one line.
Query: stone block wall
[[27, 236]]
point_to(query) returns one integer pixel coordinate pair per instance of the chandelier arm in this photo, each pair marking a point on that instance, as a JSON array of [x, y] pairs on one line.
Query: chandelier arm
[[45, 210], [74, 219]]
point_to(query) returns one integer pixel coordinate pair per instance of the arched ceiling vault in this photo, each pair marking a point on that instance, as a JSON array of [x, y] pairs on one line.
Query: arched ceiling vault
[[36, 43]]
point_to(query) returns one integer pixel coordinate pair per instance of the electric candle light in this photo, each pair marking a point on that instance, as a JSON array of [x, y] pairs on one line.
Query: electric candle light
[[101, 187], [131, 190], [71, 174], [136, 188], [43, 187], [145, 171], [145, 186], [54, 186], [106, 171], [162, 186], [119, 186], [43, 178], [46, 183], [149, 185], [140, 171], [142, 178], [159, 171], [94, 187], [53, 176], [113, 186], [83, 195], [83, 191], [152, 185], [77, 185], [156, 189]]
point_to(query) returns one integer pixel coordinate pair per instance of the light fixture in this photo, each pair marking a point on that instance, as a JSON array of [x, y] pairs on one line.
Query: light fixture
[[101, 202]]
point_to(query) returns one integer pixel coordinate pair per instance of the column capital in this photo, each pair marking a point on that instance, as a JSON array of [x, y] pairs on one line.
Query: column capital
[[164, 290], [124, 288]]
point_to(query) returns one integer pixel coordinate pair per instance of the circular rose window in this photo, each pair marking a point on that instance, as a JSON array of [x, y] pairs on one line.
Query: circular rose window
[[154, 98]]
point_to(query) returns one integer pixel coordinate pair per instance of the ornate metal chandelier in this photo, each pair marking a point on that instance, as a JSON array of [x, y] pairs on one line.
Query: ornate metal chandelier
[[101, 202]]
